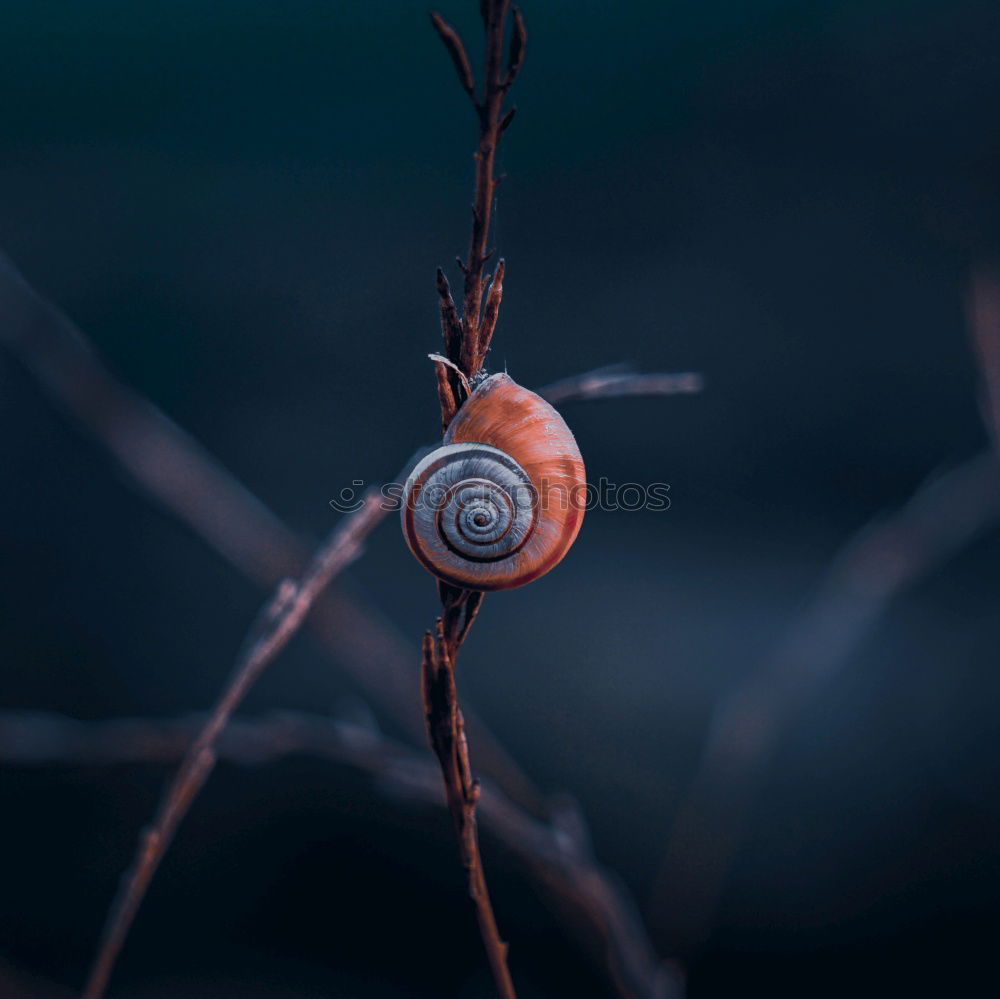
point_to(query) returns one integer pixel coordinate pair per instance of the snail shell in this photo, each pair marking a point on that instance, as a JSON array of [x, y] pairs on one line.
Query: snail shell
[[501, 501]]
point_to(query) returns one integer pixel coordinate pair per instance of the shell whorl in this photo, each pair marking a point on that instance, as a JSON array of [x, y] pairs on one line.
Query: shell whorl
[[499, 503]]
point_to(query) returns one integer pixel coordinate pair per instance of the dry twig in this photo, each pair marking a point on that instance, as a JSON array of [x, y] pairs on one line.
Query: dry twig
[[280, 619], [466, 344], [447, 735], [467, 339]]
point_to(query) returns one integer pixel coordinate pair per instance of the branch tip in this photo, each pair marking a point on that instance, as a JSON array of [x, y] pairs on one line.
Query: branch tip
[[453, 43], [518, 41]]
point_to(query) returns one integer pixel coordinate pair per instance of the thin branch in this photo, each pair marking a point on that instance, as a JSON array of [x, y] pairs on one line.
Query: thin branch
[[617, 382], [887, 557], [492, 310], [555, 856], [451, 325], [492, 123], [468, 347], [447, 735], [173, 470], [515, 57], [456, 50], [446, 394], [280, 619]]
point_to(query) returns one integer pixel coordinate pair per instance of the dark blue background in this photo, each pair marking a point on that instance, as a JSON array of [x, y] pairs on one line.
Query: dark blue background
[[243, 205]]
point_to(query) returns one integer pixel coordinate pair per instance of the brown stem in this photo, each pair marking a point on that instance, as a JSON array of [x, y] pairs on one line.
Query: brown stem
[[494, 90], [451, 324], [492, 310], [280, 619], [466, 342], [447, 735], [467, 339], [456, 50]]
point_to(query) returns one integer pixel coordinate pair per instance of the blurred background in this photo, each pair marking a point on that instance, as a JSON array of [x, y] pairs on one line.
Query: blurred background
[[243, 205]]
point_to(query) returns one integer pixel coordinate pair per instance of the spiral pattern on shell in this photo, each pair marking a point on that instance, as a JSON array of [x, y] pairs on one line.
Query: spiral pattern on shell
[[497, 505]]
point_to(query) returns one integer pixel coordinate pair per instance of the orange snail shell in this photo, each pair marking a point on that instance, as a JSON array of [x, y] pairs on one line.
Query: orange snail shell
[[501, 501]]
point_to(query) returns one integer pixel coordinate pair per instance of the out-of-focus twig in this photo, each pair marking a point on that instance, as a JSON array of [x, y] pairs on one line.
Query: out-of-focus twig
[[280, 619], [874, 567], [888, 556], [590, 902], [619, 381]]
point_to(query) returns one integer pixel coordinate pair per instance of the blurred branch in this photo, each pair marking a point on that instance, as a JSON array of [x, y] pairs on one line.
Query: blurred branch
[[874, 567], [619, 381], [880, 562], [279, 620], [589, 902], [171, 468]]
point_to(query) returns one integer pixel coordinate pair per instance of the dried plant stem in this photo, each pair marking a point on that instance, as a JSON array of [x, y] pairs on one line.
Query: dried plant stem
[[447, 734], [494, 14], [280, 619], [467, 338], [466, 344]]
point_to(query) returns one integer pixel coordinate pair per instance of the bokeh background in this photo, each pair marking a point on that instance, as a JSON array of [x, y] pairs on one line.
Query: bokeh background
[[243, 203]]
